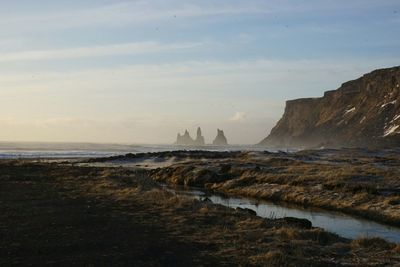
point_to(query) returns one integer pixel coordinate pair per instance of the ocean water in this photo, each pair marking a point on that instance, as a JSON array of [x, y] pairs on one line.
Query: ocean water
[[29, 150]]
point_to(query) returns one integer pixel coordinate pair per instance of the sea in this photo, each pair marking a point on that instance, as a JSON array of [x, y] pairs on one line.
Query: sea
[[29, 150]]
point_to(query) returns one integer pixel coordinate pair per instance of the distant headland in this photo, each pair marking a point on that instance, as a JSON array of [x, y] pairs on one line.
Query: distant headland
[[186, 140]]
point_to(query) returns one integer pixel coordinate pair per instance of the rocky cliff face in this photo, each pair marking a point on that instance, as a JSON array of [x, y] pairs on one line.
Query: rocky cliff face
[[220, 139], [363, 112]]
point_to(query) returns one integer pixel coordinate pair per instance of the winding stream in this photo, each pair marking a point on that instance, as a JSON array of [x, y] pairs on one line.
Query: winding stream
[[335, 222]]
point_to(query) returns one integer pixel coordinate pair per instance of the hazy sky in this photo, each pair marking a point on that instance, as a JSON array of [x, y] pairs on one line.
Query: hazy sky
[[140, 71]]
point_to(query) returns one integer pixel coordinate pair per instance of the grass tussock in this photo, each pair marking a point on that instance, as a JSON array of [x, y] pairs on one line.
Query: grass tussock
[[287, 233]]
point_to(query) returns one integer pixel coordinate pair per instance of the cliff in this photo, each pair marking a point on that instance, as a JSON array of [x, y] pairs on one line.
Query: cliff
[[362, 113]]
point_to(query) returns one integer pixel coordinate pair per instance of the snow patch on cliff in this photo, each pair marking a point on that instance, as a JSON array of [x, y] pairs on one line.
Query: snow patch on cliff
[[389, 103], [396, 117], [350, 110], [391, 130]]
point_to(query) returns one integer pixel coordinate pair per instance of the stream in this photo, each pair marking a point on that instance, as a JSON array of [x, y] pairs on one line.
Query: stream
[[335, 222]]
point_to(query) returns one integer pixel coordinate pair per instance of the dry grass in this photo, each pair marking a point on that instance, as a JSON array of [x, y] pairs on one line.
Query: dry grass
[[148, 226], [372, 243], [287, 233]]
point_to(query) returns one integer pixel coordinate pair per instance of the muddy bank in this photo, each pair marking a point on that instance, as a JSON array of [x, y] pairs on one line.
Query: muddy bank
[[53, 214]]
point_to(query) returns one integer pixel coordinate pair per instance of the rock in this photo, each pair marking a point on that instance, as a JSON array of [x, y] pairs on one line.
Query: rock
[[220, 140], [246, 210], [184, 139], [187, 140], [361, 113], [199, 138], [205, 199]]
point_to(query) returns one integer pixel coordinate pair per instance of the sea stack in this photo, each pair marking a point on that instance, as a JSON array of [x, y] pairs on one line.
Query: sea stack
[[187, 140], [220, 140], [184, 139], [199, 138]]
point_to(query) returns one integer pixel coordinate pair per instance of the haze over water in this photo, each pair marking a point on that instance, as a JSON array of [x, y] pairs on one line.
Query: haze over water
[[84, 150]]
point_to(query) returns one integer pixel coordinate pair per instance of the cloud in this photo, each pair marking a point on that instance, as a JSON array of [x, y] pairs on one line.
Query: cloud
[[96, 51], [238, 117]]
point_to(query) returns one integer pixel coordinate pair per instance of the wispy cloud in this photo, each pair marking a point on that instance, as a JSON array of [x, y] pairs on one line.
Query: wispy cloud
[[96, 51], [130, 12], [157, 12]]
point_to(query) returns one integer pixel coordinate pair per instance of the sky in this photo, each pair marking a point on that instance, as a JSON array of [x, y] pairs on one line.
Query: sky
[[142, 71]]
